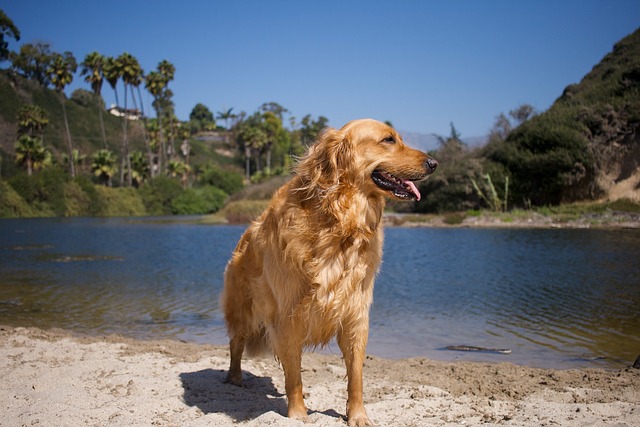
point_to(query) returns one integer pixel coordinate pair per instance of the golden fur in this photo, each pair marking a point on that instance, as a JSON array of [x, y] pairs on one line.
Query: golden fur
[[303, 272]]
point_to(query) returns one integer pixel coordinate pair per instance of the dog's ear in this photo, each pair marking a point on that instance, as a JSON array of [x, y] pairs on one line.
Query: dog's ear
[[334, 154], [328, 160]]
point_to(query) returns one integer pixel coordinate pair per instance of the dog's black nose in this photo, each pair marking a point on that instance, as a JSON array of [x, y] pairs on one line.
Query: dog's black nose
[[432, 164]]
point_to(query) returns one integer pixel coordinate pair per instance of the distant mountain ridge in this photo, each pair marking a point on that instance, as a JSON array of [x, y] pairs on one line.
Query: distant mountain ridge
[[430, 142]]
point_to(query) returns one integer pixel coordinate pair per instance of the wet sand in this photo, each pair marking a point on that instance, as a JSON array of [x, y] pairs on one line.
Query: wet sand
[[58, 378]]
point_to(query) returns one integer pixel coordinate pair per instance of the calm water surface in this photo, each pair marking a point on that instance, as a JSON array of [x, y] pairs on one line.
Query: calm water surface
[[556, 298]]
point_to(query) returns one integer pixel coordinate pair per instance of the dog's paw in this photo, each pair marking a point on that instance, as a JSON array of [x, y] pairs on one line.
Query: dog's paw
[[360, 420], [298, 413], [235, 379]]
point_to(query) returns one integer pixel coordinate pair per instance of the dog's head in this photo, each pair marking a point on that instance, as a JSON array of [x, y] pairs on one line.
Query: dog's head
[[372, 156]]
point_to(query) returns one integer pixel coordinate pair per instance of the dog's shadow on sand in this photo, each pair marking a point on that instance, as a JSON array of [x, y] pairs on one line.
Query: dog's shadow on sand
[[207, 391]]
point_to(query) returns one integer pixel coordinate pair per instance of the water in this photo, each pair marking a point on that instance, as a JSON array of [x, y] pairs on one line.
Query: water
[[556, 298]]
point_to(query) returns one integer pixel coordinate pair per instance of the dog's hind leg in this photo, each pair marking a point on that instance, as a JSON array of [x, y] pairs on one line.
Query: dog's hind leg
[[236, 347]]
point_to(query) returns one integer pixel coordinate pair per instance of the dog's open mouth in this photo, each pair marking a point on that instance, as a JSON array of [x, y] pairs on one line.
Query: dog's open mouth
[[401, 188]]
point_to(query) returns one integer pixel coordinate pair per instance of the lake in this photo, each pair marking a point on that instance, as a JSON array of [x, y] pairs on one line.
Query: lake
[[557, 298]]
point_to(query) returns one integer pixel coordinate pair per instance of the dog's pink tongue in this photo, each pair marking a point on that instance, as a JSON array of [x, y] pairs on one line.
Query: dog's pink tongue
[[412, 188]]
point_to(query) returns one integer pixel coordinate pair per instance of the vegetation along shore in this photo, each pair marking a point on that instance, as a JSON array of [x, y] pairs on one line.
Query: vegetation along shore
[[576, 164]]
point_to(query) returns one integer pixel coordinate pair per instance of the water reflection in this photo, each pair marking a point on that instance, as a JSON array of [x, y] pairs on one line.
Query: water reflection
[[557, 298]]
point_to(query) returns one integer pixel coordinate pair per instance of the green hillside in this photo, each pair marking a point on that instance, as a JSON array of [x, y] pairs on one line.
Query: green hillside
[[587, 142], [585, 147]]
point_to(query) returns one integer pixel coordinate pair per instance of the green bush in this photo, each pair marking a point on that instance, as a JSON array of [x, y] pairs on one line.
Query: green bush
[[12, 205], [97, 205], [121, 201], [199, 201], [76, 201], [43, 191], [158, 195], [228, 181]]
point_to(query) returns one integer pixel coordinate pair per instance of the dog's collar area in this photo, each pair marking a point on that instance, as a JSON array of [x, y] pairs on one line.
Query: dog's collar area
[[400, 187]]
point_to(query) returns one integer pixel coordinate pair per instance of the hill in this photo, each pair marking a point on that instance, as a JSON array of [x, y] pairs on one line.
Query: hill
[[586, 146], [82, 110]]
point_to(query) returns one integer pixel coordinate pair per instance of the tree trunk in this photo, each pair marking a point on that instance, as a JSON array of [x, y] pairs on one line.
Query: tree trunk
[[147, 145], [104, 134], [162, 155], [72, 166], [247, 155], [125, 161]]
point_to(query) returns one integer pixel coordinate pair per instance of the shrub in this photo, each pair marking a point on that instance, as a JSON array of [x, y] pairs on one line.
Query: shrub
[[76, 201], [44, 190], [199, 201], [158, 193], [97, 205], [244, 211], [228, 181], [121, 201], [12, 205]]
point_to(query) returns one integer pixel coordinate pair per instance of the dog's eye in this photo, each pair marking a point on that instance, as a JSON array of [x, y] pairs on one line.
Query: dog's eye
[[389, 140]]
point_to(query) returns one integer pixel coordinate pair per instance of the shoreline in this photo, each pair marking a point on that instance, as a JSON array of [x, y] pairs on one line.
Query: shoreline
[[520, 220], [56, 377]]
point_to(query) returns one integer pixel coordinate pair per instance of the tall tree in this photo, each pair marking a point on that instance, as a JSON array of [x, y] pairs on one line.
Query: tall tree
[[310, 129], [202, 116], [33, 61], [252, 138], [139, 168], [177, 168], [131, 73], [93, 70], [156, 82], [226, 115], [272, 126], [168, 71], [7, 28], [31, 120], [31, 153], [104, 166], [112, 73], [61, 70]]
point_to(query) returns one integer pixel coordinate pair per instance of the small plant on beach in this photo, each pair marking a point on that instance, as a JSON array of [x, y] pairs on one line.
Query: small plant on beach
[[490, 195]]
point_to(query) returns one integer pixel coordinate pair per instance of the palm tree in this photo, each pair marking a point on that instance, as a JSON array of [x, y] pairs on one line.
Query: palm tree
[[77, 158], [155, 83], [253, 139], [131, 72], [31, 119], [184, 133], [153, 131], [139, 168], [31, 153], [226, 116], [103, 166], [61, 70], [112, 73], [176, 168], [93, 68]]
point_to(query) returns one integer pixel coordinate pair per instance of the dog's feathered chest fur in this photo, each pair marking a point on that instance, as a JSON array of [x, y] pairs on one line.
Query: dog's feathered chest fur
[[322, 275]]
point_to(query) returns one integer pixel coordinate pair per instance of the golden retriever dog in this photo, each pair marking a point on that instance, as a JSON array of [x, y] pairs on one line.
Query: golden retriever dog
[[303, 272]]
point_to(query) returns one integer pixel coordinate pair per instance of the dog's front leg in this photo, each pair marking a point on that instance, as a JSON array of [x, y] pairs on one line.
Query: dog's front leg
[[290, 355], [353, 345]]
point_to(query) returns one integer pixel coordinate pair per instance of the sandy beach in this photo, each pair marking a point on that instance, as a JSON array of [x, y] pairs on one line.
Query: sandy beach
[[58, 378]]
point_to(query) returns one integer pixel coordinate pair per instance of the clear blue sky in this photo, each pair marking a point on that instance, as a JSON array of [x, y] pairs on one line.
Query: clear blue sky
[[419, 64]]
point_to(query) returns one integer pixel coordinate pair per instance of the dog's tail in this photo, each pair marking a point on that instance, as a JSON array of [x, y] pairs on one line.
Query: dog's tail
[[257, 344]]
